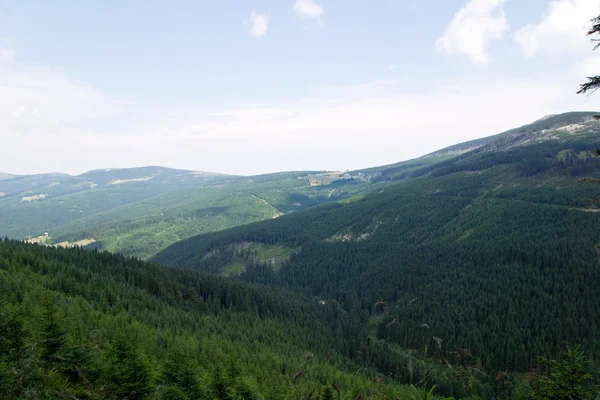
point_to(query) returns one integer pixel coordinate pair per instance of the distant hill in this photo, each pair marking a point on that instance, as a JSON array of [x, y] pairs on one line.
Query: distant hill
[[140, 211], [487, 248], [4, 175]]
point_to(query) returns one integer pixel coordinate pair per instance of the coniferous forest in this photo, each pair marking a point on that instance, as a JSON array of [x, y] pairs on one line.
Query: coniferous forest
[[243, 200], [473, 277], [84, 324], [81, 324]]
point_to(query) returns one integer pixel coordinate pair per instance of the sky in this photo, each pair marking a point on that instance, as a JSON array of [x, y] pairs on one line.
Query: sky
[[256, 86]]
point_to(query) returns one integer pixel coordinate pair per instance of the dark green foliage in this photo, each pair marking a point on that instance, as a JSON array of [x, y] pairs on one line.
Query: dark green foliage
[[484, 260], [90, 325], [243, 391], [327, 394], [220, 388], [172, 392], [12, 335], [180, 371], [568, 379], [52, 337], [129, 373]]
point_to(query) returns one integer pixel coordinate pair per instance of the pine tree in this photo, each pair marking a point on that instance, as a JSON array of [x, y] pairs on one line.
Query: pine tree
[[219, 385], [53, 337], [11, 336], [172, 392], [327, 394], [180, 370], [11, 348], [130, 375], [243, 391], [569, 379]]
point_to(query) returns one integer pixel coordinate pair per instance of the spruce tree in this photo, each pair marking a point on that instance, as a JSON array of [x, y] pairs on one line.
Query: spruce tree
[[181, 371], [568, 379], [130, 375], [52, 337]]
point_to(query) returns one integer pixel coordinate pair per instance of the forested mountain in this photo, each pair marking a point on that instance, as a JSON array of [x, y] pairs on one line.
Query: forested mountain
[[140, 211], [488, 257], [458, 269], [89, 325]]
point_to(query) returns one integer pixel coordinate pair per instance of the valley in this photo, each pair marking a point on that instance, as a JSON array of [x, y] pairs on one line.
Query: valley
[[300, 200], [457, 269], [499, 232]]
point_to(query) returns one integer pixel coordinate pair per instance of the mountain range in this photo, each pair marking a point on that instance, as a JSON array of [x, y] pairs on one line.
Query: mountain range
[[493, 250], [459, 268], [140, 211]]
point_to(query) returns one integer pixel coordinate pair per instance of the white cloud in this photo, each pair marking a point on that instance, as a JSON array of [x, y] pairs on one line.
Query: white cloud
[[38, 104], [472, 28], [562, 28], [33, 99], [51, 123], [340, 128], [257, 24], [308, 9]]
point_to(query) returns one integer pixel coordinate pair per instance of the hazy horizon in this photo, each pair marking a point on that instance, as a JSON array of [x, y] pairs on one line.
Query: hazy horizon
[[278, 86], [263, 172]]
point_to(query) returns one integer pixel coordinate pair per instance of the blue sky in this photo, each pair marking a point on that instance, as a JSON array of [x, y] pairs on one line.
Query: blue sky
[[260, 86]]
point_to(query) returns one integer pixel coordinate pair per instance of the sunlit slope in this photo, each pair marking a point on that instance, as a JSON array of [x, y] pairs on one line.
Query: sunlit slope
[[148, 226], [35, 204], [143, 210]]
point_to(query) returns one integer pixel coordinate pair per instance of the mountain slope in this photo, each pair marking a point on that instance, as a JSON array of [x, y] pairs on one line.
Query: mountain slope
[[4, 175], [94, 325], [39, 203], [143, 210], [492, 249]]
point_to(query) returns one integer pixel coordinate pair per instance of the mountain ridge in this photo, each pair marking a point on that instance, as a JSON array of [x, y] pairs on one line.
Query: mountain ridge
[[140, 211], [459, 268], [504, 229], [549, 121]]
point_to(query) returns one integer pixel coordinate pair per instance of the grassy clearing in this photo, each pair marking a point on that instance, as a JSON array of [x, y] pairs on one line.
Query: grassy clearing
[[79, 243], [273, 255], [233, 269]]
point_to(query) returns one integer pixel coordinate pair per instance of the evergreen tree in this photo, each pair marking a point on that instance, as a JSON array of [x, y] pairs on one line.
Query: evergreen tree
[[130, 375], [569, 379], [593, 82], [53, 337], [181, 371], [172, 392], [12, 335], [327, 394], [243, 391], [220, 389]]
